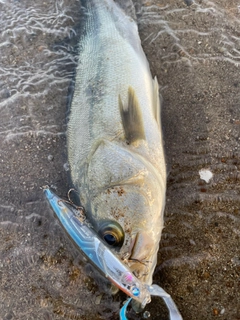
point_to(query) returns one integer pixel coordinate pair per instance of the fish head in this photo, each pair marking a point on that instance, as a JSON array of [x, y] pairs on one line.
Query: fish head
[[131, 227], [126, 199]]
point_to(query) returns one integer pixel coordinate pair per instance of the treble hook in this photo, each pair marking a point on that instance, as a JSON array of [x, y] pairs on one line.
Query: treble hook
[[80, 210]]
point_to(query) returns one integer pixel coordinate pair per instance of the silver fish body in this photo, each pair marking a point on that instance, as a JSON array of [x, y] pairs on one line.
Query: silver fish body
[[115, 148]]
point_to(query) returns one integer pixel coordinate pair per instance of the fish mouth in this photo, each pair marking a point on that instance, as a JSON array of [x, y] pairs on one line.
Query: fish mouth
[[142, 256], [142, 261]]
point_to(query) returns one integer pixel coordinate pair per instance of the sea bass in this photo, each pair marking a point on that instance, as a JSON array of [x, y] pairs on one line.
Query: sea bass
[[115, 147]]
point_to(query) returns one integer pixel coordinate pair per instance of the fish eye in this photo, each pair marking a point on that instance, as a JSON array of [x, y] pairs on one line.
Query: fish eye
[[110, 239], [112, 233]]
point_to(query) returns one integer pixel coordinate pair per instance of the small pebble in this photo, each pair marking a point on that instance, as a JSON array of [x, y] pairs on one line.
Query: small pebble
[[5, 94], [206, 175], [98, 299], [9, 316], [66, 166], [50, 157], [222, 311], [215, 312], [222, 49], [188, 2], [146, 315], [192, 242]]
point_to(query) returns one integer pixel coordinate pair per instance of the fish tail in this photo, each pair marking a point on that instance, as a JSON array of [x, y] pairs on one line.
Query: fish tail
[[127, 5]]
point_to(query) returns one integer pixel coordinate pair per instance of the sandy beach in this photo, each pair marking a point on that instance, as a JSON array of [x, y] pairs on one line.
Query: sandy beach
[[195, 53]]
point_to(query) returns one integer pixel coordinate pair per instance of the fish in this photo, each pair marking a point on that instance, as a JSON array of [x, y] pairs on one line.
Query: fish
[[114, 137]]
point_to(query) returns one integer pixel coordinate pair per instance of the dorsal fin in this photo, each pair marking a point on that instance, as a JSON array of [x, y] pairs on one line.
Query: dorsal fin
[[131, 115], [156, 101]]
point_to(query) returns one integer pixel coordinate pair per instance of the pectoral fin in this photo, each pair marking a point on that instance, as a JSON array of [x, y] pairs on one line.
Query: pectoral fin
[[131, 115]]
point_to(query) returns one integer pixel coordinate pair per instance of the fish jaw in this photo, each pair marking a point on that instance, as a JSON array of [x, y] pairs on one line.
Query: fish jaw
[[143, 255]]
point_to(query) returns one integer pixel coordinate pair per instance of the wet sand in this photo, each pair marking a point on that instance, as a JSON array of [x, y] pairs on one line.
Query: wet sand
[[195, 53]]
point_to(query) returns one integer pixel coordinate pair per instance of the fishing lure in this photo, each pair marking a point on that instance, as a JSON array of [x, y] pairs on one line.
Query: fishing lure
[[103, 258], [96, 251]]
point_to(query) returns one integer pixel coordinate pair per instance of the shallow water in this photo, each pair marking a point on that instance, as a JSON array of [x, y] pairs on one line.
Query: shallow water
[[195, 53]]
